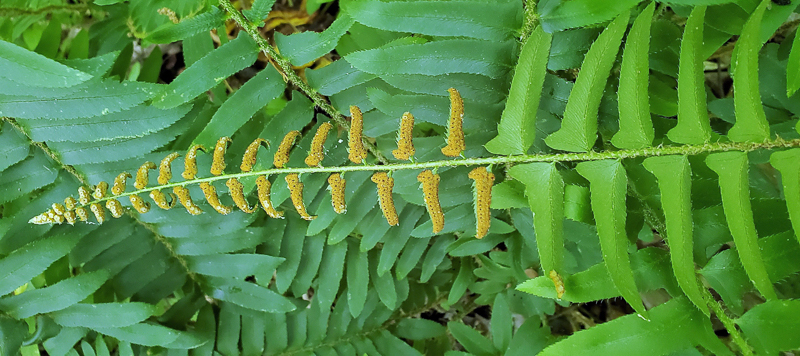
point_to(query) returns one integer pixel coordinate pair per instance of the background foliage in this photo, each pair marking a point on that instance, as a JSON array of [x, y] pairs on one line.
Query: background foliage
[[89, 90]]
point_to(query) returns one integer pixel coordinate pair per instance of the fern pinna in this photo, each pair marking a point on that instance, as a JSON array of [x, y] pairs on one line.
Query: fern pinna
[[606, 164], [67, 212]]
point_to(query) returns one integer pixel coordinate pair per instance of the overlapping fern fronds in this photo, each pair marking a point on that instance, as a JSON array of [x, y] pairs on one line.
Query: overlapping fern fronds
[[635, 148]]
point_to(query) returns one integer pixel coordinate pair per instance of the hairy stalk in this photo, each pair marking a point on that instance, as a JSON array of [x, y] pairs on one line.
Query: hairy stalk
[[285, 67], [729, 324], [529, 23], [10, 11], [83, 180], [499, 160]]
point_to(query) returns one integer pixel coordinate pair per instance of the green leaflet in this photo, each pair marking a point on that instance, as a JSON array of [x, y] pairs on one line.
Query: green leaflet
[[502, 324], [418, 329], [312, 256], [30, 68], [635, 126], [694, 126], [788, 163], [26, 176], [136, 122], [489, 58], [208, 72], [732, 169], [227, 341], [383, 284], [608, 185], [751, 121], [673, 326], [411, 256], [793, 67], [248, 295], [24, 264], [464, 279], [304, 47], [357, 279], [578, 131], [14, 146], [397, 237], [188, 27], [330, 273], [530, 339], [517, 128], [725, 274], [544, 188], [13, 332], [557, 15], [259, 11], [155, 335], [471, 339], [674, 182], [104, 315], [336, 77], [92, 98], [55, 297], [232, 266], [651, 270], [242, 105], [291, 250], [772, 326], [476, 19]]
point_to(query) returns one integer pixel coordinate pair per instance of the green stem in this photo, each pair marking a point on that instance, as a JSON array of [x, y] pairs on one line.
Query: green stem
[[285, 67], [729, 324], [516, 159]]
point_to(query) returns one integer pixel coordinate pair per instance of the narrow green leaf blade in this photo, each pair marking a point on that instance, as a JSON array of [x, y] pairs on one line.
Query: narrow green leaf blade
[[442, 57], [560, 15], [517, 128], [751, 121], [12, 334], [544, 188], [694, 126], [156, 335], [793, 68], [788, 163], [330, 275], [501, 323], [23, 264], [26, 176], [732, 169], [578, 131], [608, 185], [14, 147], [259, 11], [104, 315], [208, 72], [418, 329], [674, 182], [476, 19], [30, 68], [635, 126], [248, 295], [91, 98], [673, 326], [651, 270], [304, 47], [241, 106], [232, 266], [357, 279], [188, 27], [56, 297], [772, 327], [471, 339]]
